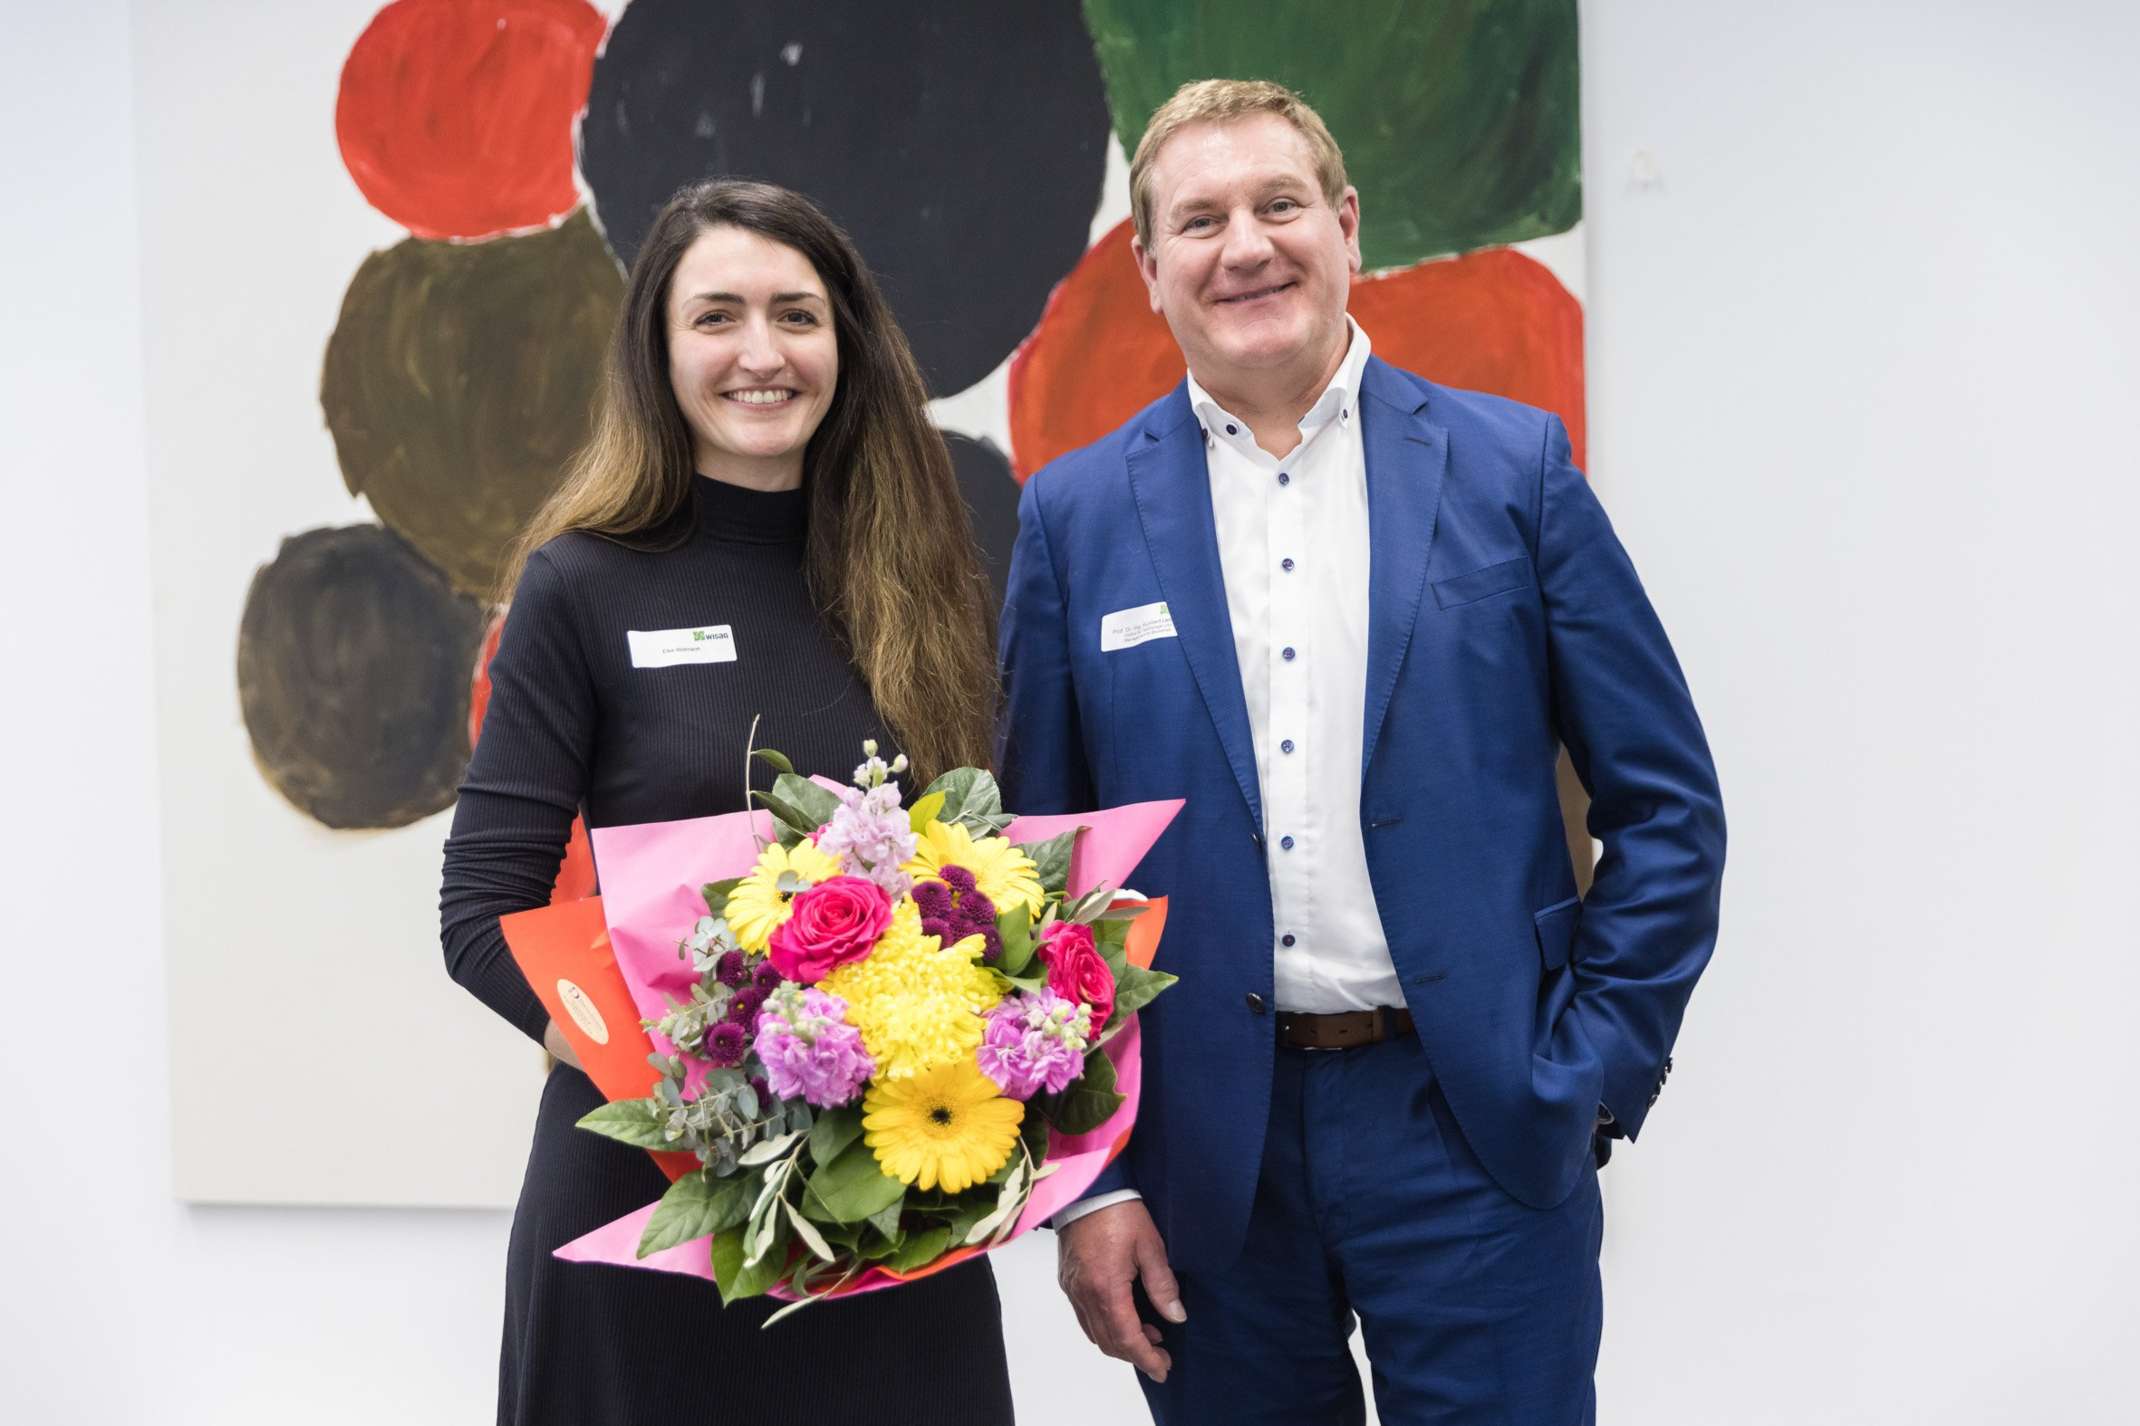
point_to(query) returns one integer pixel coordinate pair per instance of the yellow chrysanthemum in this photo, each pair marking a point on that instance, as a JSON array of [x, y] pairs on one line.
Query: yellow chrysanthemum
[[917, 1002], [1002, 873], [757, 907], [948, 1127]]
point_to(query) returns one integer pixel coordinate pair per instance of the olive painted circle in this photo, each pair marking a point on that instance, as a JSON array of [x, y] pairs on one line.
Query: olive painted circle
[[353, 660], [461, 378], [961, 143], [1458, 118]]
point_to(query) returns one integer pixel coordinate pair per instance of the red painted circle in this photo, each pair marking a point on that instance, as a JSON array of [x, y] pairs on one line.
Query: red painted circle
[[1489, 321], [455, 116]]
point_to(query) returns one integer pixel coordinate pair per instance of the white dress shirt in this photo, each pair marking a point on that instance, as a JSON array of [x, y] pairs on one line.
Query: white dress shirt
[[1293, 548]]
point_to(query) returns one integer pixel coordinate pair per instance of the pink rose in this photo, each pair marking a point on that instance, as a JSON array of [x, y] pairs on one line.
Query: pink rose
[[1077, 971], [834, 922]]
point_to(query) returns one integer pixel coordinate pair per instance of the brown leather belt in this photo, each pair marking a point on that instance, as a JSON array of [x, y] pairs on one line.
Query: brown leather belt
[[1342, 1031]]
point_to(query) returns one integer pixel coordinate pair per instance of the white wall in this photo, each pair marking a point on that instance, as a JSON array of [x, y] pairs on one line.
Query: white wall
[[1861, 370]]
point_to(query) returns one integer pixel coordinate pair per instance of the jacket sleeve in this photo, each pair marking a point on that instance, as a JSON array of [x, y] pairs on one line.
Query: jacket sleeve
[[524, 786], [1623, 711], [1040, 758]]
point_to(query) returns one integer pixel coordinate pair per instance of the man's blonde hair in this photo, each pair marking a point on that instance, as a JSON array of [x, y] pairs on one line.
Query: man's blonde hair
[[1219, 101]]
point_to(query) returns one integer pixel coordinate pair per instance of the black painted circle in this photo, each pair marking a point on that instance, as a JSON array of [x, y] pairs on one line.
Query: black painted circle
[[354, 667], [962, 143], [992, 499]]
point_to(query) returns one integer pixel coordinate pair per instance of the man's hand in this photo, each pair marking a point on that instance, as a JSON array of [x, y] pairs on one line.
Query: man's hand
[[1096, 1259], [560, 1048]]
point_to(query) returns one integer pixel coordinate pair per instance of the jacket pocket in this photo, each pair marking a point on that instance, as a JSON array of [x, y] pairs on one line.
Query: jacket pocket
[[1555, 928], [1483, 583]]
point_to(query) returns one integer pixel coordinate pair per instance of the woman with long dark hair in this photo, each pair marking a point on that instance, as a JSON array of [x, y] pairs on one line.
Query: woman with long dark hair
[[763, 473]]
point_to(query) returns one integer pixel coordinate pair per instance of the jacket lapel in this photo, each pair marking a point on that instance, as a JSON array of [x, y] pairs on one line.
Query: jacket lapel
[[1172, 488], [1406, 457]]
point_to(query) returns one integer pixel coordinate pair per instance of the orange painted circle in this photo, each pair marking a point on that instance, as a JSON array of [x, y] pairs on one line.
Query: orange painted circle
[[1492, 321]]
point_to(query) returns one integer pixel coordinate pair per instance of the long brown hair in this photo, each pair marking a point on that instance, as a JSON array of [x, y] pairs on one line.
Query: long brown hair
[[890, 556]]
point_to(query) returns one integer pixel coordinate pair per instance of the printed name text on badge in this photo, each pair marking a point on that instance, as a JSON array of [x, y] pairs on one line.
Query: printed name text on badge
[[665, 648], [1127, 628]]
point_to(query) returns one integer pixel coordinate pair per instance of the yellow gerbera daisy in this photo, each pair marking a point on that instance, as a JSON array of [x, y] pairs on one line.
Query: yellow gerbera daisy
[[1003, 873], [948, 1127], [916, 1001], [757, 907]]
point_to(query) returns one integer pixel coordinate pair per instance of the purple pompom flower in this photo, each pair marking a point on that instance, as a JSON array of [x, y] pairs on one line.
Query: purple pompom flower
[[809, 1050], [767, 978], [743, 1005], [932, 898], [958, 879], [732, 969], [1035, 1041], [724, 1044]]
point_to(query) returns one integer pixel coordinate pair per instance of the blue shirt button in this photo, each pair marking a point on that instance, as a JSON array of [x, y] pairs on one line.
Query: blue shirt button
[[1286, 939], [1284, 479], [1286, 565], [1286, 843], [1287, 653], [1286, 746]]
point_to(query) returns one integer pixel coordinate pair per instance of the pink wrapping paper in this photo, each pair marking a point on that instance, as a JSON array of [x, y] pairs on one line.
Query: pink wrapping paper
[[651, 874]]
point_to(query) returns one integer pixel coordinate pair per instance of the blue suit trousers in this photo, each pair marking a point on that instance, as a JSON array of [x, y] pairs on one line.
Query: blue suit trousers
[[1476, 1308]]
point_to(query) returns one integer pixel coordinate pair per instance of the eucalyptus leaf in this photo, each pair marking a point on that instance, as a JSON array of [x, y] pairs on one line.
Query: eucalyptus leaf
[[853, 1186], [638, 1122], [970, 795]]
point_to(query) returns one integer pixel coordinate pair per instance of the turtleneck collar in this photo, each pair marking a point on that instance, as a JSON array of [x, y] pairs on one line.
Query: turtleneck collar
[[758, 517]]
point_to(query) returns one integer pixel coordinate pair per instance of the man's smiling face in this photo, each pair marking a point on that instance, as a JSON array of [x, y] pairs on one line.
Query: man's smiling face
[[1248, 261]]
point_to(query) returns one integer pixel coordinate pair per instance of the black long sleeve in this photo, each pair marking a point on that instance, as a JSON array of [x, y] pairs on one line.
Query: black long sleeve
[[575, 725]]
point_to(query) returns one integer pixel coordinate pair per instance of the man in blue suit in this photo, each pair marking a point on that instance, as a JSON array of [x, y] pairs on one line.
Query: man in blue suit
[[1352, 616]]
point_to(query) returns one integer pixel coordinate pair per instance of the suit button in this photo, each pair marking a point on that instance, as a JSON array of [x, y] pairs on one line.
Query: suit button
[[1255, 1003]]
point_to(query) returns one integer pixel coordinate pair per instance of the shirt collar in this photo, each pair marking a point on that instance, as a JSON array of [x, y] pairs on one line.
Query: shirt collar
[[1339, 401]]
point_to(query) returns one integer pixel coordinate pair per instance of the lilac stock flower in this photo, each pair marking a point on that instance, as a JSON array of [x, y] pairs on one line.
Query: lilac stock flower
[[869, 832], [809, 1050], [1035, 1041]]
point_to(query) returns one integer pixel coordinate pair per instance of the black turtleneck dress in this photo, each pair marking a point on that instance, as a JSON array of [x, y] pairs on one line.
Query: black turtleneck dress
[[573, 725]]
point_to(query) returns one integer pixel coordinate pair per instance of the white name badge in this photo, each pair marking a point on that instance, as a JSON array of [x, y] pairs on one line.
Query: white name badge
[[665, 648], [1127, 628]]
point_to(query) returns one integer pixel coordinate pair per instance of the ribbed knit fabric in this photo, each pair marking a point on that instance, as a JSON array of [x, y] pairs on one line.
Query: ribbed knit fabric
[[572, 724]]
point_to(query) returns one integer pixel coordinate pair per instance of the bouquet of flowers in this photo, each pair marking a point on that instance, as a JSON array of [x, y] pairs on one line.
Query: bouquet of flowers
[[891, 1037]]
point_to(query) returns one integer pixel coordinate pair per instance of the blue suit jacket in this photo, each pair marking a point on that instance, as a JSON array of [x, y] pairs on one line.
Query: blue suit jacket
[[1504, 621]]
